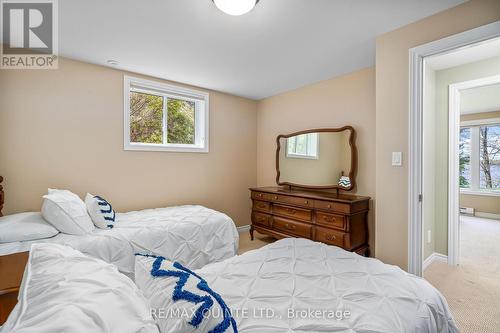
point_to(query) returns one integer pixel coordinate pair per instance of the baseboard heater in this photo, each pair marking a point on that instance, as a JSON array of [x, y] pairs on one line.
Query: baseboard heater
[[467, 211]]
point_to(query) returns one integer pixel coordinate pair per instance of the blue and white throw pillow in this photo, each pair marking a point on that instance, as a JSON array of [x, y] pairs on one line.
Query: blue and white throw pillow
[[100, 211], [180, 300]]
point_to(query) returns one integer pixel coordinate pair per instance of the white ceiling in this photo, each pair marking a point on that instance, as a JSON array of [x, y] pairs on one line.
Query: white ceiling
[[279, 46], [468, 54], [480, 99]]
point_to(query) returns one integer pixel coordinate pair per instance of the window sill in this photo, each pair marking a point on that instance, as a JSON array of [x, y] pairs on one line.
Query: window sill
[[304, 157], [482, 193], [170, 148]]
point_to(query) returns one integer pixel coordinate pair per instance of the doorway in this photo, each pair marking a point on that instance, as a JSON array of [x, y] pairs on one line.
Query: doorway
[[417, 199], [455, 150]]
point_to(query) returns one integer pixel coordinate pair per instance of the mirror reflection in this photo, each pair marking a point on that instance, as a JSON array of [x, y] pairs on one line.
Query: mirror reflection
[[316, 159]]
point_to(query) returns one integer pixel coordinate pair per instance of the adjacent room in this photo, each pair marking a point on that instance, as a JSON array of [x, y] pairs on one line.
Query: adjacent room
[[224, 166], [461, 142]]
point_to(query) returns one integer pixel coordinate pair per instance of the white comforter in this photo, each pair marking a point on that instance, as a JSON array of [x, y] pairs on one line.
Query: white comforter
[[193, 235], [311, 287]]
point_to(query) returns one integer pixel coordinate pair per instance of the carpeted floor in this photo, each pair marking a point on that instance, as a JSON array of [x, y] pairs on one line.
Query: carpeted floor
[[473, 288], [259, 241]]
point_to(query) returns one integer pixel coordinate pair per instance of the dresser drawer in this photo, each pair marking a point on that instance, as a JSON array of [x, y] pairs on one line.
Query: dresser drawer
[[261, 196], [331, 220], [332, 206], [329, 236], [262, 206], [261, 219], [295, 201], [292, 227], [293, 212]]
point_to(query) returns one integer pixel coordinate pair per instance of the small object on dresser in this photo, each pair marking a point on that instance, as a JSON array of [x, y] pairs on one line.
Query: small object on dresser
[[344, 181]]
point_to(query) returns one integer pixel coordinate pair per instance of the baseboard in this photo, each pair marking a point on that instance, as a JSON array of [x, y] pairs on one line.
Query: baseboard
[[244, 228], [434, 257], [487, 215]]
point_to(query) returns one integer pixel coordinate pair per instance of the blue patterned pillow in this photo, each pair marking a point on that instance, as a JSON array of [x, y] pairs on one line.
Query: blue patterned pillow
[[181, 301], [100, 211]]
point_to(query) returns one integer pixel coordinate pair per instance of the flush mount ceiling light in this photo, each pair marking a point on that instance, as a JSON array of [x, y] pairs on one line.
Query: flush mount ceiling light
[[235, 7]]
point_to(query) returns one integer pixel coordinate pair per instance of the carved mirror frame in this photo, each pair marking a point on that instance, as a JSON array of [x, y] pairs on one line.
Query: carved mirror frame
[[354, 158]]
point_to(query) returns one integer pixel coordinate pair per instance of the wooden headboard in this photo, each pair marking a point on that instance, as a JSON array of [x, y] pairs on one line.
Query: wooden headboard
[[2, 196]]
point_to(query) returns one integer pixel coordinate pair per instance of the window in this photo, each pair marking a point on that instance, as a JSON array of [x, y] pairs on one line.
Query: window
[[160, 117], [489, 157], [480, 158], [464, 158], [303, 146]]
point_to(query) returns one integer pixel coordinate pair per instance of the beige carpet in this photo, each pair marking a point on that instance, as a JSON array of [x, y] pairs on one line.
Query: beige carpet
[[259, 241], [473, 288]]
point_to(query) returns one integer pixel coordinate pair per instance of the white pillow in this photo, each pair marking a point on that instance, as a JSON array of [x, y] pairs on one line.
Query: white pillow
[[25, 227], [66, 291], [172, 289], [100, 211], [66, 212]]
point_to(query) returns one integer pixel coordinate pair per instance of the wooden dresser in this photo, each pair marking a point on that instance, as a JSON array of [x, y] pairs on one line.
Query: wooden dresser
[[11, 274], [340, 220]]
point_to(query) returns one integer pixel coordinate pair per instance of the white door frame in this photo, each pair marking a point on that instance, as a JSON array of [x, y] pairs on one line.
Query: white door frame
[[453, 162], [417, 56]]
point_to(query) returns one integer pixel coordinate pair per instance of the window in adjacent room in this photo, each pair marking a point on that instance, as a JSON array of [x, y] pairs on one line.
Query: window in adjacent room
[[480, 158], [160, 117], [303, 146]]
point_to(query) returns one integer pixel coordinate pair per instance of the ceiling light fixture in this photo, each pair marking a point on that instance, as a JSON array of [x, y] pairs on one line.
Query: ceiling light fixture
[[235, 7]]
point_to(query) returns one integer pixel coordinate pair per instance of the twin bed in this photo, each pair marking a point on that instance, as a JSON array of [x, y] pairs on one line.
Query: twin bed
[[289, 278], [193, 235]]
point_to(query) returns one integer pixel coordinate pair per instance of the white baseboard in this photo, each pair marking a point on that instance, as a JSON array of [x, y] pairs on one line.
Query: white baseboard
[[434, 257], [487, 215], [243, 228]]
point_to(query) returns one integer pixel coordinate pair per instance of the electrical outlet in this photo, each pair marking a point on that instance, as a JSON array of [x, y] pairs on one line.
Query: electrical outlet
[[429, 236]]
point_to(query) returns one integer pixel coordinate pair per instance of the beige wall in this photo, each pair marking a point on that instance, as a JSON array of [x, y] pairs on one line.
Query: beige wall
[[346, 100], [64, 128], [392, 81], [481, 203], [480, 116]]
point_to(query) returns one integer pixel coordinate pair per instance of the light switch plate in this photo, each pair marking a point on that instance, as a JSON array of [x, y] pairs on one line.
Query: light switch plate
[[397, 158]]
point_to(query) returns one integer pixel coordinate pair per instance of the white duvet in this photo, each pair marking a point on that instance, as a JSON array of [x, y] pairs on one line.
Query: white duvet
[[296, 285], [193, 235]]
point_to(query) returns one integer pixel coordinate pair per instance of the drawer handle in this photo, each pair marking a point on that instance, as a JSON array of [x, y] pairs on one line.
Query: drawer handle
[[259, 195], [275, 197], [306, 202], [329, 218], [291, 211], [290, 227], [330, 237], [329, 206]]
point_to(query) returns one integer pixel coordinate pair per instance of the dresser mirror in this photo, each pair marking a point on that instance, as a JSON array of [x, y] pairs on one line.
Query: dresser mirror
[[317, 159]]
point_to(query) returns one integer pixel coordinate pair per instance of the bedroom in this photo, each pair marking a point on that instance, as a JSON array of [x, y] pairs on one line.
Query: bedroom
[[267, 72]]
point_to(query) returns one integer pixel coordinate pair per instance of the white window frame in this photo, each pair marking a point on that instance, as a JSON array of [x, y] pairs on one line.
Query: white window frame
[[475, 168], [307, 156], [201, 144]]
